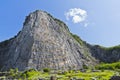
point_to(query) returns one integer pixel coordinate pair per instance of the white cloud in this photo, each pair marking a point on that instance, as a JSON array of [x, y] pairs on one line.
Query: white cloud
[[78, 15]]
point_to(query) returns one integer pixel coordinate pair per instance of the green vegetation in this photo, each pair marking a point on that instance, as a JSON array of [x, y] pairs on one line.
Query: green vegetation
[[91, 75], [113, 48], [109, 66], [46, 70], [13, 73], [61, 23], [33, 74], [100, 72], [30, 74], [77, 38], [110, 48]]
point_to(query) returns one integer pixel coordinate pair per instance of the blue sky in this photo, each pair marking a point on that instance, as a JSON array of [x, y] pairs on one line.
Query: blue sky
[[103, 18]]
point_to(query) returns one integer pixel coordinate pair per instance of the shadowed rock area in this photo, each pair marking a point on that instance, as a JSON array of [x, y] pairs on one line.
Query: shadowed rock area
[[46, 42]]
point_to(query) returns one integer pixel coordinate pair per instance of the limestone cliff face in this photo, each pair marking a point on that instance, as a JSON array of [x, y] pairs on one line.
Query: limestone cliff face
[[103, 54], [44, 42]]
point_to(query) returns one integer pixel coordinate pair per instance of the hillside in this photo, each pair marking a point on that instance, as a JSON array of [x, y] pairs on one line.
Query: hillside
[[46, 42]]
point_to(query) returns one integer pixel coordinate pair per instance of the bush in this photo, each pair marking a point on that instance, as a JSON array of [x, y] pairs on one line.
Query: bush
[[85, 67], [30, 74], [110, 66], [77, 38], [46, 70]]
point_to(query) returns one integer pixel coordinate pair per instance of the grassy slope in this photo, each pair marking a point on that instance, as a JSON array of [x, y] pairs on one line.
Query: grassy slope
[[88, 75], [109, 66]]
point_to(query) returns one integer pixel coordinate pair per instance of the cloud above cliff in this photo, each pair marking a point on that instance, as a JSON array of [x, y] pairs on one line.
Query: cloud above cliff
[[76, 14]]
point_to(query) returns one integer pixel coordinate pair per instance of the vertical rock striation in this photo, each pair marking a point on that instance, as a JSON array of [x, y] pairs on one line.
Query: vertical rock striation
[[44, 42]]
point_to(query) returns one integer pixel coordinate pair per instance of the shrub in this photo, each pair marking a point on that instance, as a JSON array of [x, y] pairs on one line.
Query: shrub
[[77, 38], [46, 70], [110, 66], [85, 67], [30, 74]]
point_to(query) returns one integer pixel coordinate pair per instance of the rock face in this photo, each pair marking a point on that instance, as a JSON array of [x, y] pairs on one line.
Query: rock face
[[107, 55], [44, 42]]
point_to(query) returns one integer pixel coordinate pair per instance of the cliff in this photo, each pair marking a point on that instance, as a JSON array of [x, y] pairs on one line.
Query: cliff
[[46, 42]]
